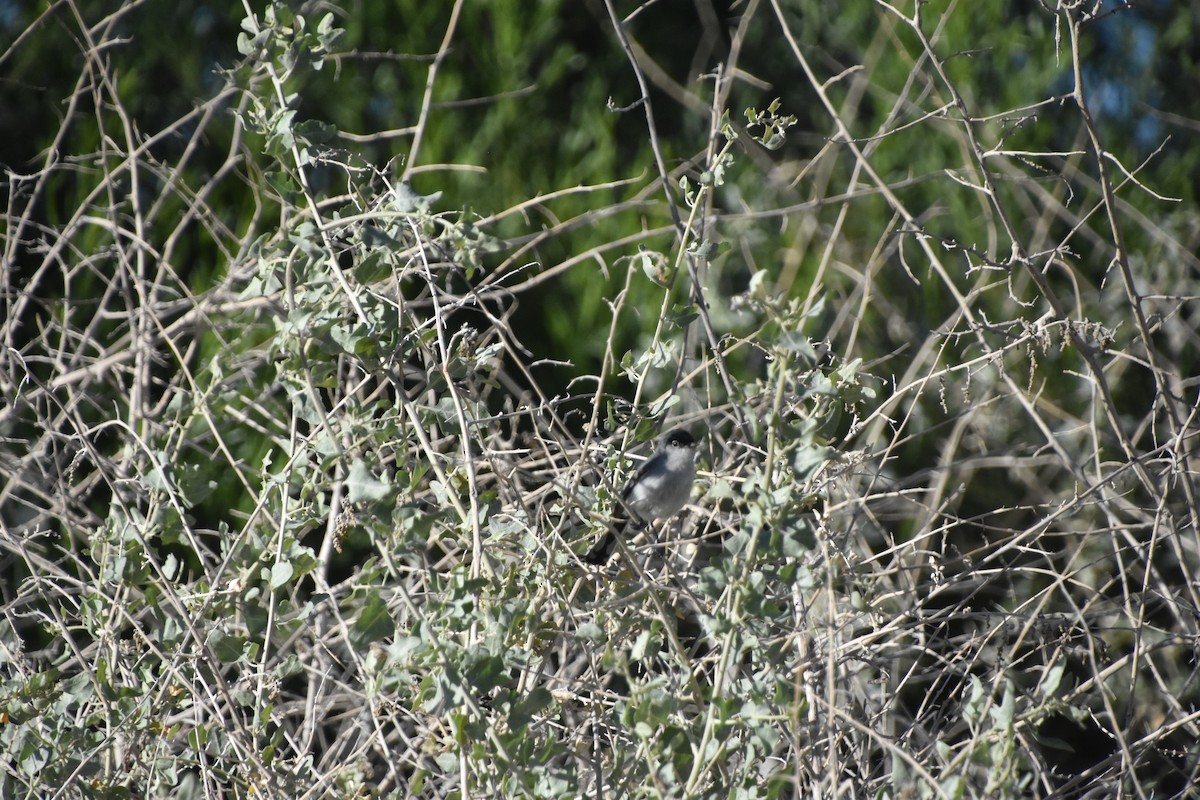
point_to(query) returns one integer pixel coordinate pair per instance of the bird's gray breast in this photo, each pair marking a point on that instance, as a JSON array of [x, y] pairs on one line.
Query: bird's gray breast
[[659, 492]]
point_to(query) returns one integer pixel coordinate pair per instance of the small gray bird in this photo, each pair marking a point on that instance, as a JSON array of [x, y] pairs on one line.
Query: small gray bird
[[661, 487]]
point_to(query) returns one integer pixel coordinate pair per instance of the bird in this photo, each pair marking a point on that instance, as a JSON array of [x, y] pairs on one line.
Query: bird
[[658, 491]]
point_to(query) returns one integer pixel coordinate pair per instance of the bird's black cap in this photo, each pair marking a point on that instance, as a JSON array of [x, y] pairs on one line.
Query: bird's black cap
[[679, 438]]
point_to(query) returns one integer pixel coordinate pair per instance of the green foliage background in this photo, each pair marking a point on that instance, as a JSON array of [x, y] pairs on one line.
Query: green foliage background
[[330, 332]]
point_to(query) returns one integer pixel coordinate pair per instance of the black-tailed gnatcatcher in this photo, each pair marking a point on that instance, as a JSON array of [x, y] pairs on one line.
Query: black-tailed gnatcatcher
[[661, 487]]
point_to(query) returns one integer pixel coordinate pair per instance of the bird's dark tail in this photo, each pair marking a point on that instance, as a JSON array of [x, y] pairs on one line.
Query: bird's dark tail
[[602, 550]]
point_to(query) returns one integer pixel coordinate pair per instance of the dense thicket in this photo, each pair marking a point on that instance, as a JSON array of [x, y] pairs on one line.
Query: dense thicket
[[330, 335]]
